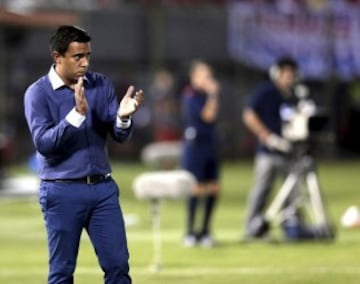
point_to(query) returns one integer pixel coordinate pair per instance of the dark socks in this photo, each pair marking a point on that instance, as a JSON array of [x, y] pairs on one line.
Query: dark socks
[[210, 202], [192, 206]]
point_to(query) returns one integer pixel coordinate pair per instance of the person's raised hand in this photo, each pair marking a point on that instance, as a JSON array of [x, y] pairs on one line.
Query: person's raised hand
[[80, 100], [212, 87], [130, 103]]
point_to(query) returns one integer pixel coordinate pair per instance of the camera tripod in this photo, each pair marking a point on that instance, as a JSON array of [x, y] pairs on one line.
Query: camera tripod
[[303, 172]]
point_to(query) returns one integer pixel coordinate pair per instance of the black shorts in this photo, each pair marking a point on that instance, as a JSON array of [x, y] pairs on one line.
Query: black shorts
[[202, 161]]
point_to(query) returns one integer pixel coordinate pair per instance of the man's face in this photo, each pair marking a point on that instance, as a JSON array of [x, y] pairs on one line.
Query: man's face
[[287, 77], [74, 63]]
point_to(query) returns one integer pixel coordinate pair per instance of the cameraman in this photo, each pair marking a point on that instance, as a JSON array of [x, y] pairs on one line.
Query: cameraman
[[262, 117]]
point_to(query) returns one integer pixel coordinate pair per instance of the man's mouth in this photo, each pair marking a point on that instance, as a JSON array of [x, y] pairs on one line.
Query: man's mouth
[[82, 73]]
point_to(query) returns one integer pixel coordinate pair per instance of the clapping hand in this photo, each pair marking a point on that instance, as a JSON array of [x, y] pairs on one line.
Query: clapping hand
[[80, 100], [130, 103]]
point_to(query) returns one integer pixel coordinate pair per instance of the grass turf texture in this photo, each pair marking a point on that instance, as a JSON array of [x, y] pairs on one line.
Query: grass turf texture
[[23, 253]]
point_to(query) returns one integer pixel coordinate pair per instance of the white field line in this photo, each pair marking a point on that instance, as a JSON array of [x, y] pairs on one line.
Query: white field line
[[167, 236], [194, 271]]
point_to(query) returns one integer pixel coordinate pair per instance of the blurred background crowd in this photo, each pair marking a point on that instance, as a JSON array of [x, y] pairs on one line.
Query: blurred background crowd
[[149, 43]]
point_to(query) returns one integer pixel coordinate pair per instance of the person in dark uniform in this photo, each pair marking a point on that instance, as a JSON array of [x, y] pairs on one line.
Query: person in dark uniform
[[70, 112], [200, 149], [262, 116]]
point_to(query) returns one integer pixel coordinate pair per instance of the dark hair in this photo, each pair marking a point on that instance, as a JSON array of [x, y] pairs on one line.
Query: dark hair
[[286, 62], [65, 35]]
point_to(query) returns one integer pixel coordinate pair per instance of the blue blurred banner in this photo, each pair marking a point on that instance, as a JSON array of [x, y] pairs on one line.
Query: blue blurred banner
[[324, 42], [346, 44]]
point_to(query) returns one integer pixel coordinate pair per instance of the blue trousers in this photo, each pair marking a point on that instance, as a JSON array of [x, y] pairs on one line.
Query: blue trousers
[[68, 208]]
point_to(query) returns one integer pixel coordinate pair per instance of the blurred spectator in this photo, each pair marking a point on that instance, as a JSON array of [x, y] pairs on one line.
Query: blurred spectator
[[164, 106]]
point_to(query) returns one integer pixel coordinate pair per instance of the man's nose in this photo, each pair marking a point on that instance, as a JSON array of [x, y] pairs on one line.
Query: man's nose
[[85, 61]]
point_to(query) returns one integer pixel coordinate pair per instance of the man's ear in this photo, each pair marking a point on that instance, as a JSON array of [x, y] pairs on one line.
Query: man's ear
[[56, 57]]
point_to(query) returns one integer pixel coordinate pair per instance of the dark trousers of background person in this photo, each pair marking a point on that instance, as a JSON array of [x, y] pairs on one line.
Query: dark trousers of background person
[[68, 208]]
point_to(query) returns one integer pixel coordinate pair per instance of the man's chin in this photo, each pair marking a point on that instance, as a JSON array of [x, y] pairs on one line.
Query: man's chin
[[80, 74]]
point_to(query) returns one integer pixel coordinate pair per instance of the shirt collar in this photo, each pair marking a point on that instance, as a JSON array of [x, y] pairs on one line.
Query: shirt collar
[[55, 80]]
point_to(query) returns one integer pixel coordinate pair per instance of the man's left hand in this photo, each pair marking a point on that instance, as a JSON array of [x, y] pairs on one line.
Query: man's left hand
[[130, 103]]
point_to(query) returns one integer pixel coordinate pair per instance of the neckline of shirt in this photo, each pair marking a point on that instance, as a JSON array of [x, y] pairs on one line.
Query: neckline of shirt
[[56, 81]]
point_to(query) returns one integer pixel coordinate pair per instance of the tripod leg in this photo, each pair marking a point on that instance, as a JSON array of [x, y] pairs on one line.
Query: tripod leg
[[316, 199], [280, 199], [155, 208]]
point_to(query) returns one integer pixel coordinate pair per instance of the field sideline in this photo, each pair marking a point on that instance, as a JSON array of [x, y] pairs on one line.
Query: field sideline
[[23, 254]]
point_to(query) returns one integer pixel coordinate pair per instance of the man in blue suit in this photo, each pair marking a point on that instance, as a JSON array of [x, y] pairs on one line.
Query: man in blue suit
[[70, 112]]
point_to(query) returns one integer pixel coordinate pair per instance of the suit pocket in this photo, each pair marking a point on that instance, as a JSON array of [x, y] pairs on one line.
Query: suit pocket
[[43, 196]]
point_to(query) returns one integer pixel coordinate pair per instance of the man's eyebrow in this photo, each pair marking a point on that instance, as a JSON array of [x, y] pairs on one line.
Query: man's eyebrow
[[81, 54]]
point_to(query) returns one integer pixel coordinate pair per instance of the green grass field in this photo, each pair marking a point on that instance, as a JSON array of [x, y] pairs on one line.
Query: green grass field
[[23, 253]]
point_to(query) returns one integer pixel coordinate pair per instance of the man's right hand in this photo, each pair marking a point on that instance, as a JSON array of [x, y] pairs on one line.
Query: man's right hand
[[275, 142], [80, 100]]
